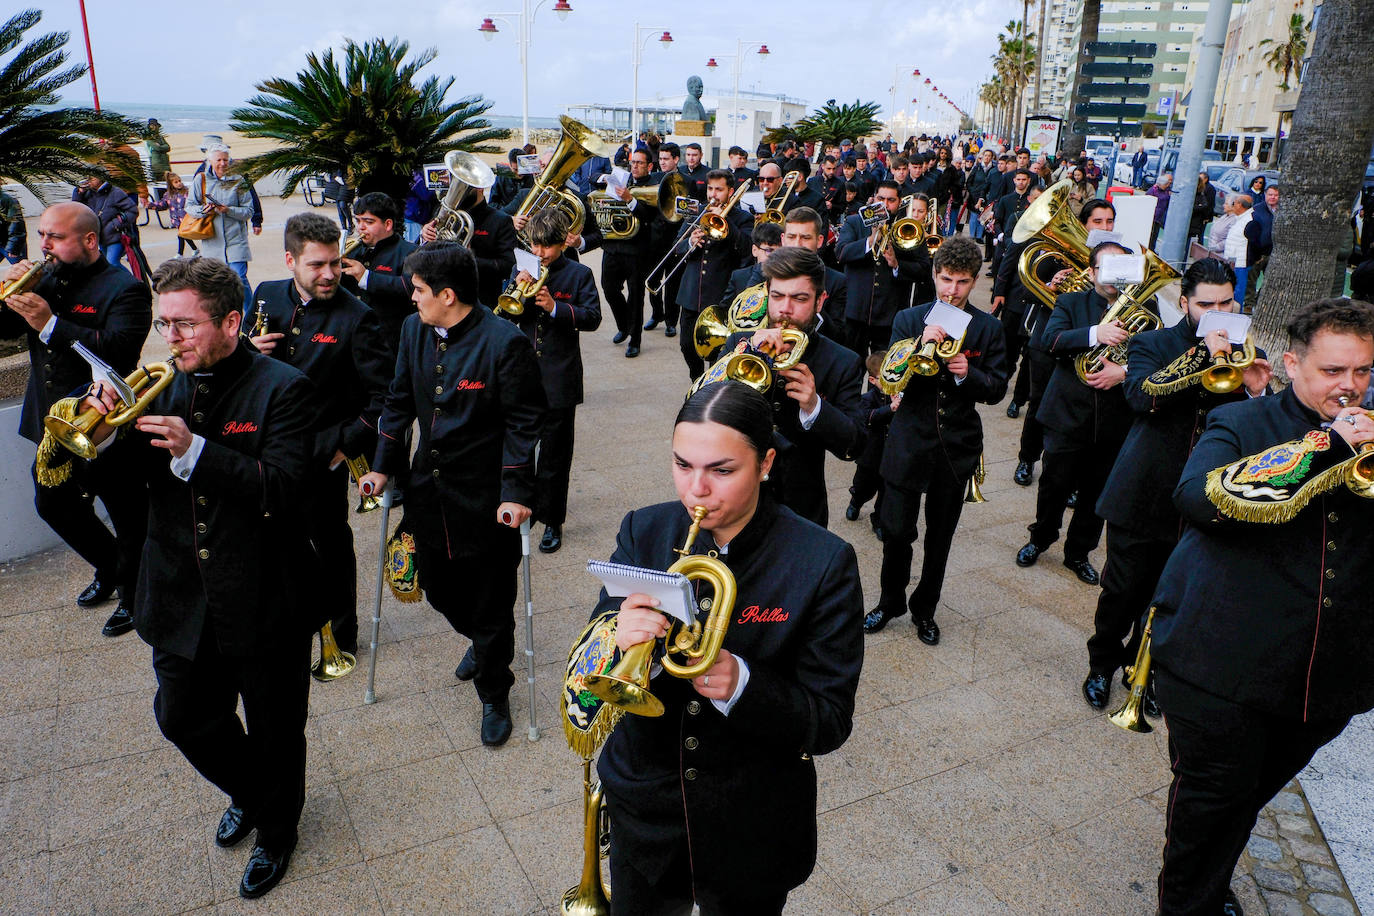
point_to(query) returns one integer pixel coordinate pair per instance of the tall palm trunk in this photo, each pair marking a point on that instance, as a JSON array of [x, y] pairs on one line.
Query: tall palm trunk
[[1328, 147], [1092, 14]]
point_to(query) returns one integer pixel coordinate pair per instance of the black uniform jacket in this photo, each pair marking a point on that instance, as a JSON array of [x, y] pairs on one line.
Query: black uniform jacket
[[479, 403], [577, 307], [708, 266], [591, 232], [745, 783], [799, 470], [874, 295], [655, 233], [229, 543], [1165, 429], [388, 289], [493, 246], [696, 180], [1009, 206], [877, 413], [101, 306], [1271, 616], [340, 346], [1073, 413], [937, 418]]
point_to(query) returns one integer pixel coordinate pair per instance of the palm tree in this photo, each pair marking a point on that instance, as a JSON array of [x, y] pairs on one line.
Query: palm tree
[[831, 124], [1333, 127], [40, 142], [363, 117], [1015, 63], [1286, 56], [1092, 16]]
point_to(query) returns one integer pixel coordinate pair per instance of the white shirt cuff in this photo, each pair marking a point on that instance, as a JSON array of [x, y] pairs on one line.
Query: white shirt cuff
[[45, 335], [809, 418], [959, 379], [183, 466], [631, 203], [362, 284], [726, 705], [1092, 336]]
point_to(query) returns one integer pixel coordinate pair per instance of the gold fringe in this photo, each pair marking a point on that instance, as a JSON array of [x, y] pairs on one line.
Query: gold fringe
[[47, 473], [1270, 512], [1179, 374]]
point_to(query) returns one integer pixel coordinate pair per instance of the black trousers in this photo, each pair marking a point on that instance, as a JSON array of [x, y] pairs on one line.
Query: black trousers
[[663, 305], [898, 515], [1228, 761], [1014, 336], [1083, 468], [69, 509], [867, 484], [555, 464], [687, 344], [1037, 368], [620, 269], [865, 338], [328, 497], [1134, 564], [476, 593], [261, 769]]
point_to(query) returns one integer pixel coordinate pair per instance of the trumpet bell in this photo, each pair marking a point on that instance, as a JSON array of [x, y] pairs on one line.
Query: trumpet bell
[[908, 233], [74, 435], [923, 361], [334, 663], [510, 305], [626, 686]]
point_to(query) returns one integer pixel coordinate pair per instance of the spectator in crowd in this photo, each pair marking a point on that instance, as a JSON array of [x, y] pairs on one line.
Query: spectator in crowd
[[1204, 205], [225, 197], [1160, 191], [14, 233], [174, 202], [1081, 192], [419, 206], [1256, 191], [159, 150], [1138, 168], [1237, 249], [1260, 234], [117, 211], [1221, 226]]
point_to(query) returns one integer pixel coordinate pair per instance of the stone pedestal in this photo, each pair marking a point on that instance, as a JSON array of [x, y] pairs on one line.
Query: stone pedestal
[[710, 146], [685, 128]]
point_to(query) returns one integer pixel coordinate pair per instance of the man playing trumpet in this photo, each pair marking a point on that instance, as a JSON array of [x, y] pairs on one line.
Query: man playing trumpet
[[708, 262]]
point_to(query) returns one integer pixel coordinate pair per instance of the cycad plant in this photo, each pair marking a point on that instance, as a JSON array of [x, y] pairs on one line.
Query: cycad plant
[[364, 116], [831, 124], [38, 141]]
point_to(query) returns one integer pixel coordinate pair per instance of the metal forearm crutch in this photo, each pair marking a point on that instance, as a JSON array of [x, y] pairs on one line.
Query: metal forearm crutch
[[371, 695], [529, 620]]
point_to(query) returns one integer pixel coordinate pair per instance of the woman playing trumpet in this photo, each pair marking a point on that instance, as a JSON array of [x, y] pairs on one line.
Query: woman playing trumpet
[[714, 802]]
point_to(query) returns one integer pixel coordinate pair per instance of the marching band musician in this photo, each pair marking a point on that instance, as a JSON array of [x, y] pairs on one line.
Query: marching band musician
[[739, 165], [708, 263], [493, 245], [694, 171], [1085, 422], [1263, 643], [1171, 408], [624, 261], [663, 302], [730, 822], [934, 442], [565, 305], [876, 292], [804, 227], [473, 381], [766, 238], [82, 298], [821, 411], [225, 593], [338, 343], [374, 276]]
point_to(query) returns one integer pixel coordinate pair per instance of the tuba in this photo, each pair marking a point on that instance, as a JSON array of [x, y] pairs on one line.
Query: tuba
[[1129, 310], [28, 280], [512, 298], [466, 173], [591, 896], [626, 686], [614, 218], [576, 146], [773, 212], [1053, 237], [1129, 716]]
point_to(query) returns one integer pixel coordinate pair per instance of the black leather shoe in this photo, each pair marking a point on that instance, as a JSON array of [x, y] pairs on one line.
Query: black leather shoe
[[631, 352], [620, 337], [927, 631], [496, 724], [1231, 906], [265, 870], [1025, 471], [651, 324], [875, 620], [1083, 570], [552, 539], [98, 592], [120, 622], [670, 331], [1013, 410], [467, 668], [1097, 690], [851, 513], [1027, 555], [878, 532], [1072, 501], [1148, 704], [234, 825]]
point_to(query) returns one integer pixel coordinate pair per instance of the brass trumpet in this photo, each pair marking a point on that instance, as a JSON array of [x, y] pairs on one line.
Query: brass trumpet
[[626, 686], [75, 435], [351, 245], [909, 356], [1227, 372], [512, 299], [1129, 716], [260, 326], [754, 368], [28, 279], [334, 662], [906, 233], [1359, 471]]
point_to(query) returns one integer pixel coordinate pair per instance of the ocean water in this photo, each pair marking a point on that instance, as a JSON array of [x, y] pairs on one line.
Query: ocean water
[[214, 119]]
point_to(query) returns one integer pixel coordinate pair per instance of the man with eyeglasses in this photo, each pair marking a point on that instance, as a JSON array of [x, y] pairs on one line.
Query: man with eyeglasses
[[770, 182], [82, 299], [330, 335], [227, 594], [878, 288]]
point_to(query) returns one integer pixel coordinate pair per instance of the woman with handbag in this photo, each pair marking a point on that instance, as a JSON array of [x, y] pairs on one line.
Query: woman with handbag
[[225, 201]]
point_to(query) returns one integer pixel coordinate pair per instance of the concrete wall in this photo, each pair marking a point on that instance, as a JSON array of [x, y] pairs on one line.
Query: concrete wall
[[22, 532]]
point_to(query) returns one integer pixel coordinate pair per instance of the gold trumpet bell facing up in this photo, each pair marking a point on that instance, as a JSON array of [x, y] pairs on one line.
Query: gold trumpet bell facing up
[[147, 382], [1129, 716], [334, 662]]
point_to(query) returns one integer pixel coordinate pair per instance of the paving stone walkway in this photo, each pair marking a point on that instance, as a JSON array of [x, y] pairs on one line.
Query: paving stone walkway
[[976, 781]]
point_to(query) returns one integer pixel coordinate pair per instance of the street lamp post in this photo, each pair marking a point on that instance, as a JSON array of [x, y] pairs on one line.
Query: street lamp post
[[524, 18], [637, 57], [738, 57], [896, 81]]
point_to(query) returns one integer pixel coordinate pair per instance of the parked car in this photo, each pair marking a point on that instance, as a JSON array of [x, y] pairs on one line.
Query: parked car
[[1171, 163], [1123, 166], [1237, 179]]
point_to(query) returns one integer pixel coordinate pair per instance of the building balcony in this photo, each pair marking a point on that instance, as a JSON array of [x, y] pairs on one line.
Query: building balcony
[[1286, 101]]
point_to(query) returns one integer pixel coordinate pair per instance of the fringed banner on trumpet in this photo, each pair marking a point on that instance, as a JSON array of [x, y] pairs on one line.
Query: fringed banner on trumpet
[[47, 473], [400, 565], [1179, 374], [1278, 483], [587, 721]]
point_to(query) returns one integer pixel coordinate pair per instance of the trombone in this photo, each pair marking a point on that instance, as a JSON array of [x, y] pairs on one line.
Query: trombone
[[773, 210], [717, 229]]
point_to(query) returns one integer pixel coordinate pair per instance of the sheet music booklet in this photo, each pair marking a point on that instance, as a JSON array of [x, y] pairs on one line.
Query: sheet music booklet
[[673, 590]]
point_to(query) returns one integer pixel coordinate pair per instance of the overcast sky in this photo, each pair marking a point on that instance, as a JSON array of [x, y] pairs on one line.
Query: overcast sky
[[144, 48]]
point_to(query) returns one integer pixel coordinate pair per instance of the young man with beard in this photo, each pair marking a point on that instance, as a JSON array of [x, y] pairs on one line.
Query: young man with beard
[[816, 403], [934, 442], [338, 343], [374, 275], [708, 263]]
